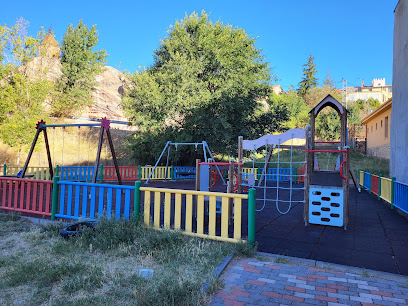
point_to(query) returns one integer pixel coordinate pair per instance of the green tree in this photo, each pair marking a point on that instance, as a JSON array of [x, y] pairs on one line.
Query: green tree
[[16, 47], [204, 84], [309, 79], [21, 100], [21, 105], [298, 111], [80, 64], [328, 125]]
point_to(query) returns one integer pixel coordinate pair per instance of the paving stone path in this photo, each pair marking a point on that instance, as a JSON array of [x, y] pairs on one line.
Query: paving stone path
[[274, 280]]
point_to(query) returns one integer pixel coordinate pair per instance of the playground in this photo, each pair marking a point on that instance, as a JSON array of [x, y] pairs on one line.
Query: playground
[[286, 202]]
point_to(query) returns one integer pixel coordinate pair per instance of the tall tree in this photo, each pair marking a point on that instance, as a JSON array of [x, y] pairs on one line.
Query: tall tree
[[80, 64], [16, 46], [309, 79], [21, 99], [204, 83]]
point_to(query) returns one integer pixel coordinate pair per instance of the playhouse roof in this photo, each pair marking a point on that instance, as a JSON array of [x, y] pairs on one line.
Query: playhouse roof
[[328, 101]]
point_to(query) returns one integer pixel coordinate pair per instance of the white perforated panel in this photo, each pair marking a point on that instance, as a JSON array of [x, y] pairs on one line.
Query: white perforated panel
[[326, 205]]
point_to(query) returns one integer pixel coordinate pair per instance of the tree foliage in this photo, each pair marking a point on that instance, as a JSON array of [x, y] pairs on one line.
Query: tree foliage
[[297, 109], [204, 84], [21, 100], [16, 47], [309, 79], [80, 64]]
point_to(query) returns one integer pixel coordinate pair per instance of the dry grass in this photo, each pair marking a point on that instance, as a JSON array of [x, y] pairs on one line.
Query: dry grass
[[38, 267]]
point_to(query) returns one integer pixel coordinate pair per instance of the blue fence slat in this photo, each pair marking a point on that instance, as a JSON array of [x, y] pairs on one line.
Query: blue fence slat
[[93, 199], [118, 203], [127, 204], [401, 196], [69, 200], [62, 199], [100, 203], [84, 200], [77, 194], [109, 204], [367, 180]]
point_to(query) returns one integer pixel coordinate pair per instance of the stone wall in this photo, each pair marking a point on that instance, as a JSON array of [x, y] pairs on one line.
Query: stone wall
[[382, 151], [399, 122]]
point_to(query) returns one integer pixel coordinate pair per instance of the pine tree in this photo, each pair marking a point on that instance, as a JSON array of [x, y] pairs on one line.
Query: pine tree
[[309, 80]]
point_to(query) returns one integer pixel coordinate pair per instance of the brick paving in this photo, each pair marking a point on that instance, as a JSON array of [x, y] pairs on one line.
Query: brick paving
[[276, 280]]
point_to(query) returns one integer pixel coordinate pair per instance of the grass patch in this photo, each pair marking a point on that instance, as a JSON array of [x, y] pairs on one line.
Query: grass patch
[[102, 266], [370, 164], [282, 260], [364, 273]]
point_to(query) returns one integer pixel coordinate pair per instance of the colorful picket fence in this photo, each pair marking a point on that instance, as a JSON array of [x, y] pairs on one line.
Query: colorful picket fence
[[183, 173], [273, 175], [388, 189], [76, 173], [88, 201], [26, 195], [191, 209], [36, 173], [127, 173]]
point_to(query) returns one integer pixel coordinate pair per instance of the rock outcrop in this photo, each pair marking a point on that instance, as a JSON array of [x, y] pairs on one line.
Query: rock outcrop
[[107, 95]]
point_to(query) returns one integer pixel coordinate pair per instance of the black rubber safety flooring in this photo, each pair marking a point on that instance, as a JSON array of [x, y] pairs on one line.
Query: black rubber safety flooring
[[376, 236]]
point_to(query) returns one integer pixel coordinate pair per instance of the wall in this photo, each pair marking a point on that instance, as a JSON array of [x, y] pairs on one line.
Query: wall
[[376, 130], [399, 122]]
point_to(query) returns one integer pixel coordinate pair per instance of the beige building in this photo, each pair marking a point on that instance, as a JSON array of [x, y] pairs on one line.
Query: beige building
[[378, 90], [377, 125]]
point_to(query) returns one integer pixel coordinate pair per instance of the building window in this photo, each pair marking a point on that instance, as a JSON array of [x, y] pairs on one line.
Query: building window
[[376, 126], [381, 123], [386, 127]]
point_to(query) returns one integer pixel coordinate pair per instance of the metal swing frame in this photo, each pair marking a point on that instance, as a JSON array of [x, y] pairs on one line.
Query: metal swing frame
[[167, 147], [104, 127]]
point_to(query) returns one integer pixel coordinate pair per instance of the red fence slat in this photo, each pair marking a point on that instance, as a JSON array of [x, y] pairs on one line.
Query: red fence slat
[[375, 184]]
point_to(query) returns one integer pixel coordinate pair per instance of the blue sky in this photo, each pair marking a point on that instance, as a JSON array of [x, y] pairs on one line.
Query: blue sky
[[352, 39]]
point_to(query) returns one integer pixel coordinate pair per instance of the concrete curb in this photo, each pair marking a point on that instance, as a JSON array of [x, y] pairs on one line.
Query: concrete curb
[[217, 272]]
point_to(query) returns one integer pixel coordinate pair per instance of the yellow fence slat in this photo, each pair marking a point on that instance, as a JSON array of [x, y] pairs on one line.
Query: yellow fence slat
[[237, 218], [200, 214], [386, 189], [224, 217], [189, 213], [361, 180], [212, 215], [167, 209], [177, 212], [156, 218], [147, 208]]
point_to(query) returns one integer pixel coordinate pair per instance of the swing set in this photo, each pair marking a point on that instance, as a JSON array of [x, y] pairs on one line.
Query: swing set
[[104, 126], [169, 145]]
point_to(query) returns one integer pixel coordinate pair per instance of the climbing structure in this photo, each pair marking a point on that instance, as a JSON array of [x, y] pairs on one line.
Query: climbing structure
[[327, 191]]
